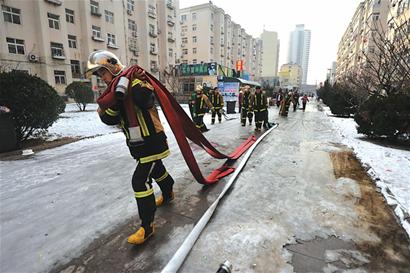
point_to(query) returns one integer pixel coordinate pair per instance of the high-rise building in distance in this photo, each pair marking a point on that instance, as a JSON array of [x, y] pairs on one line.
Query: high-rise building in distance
[[299, 49]]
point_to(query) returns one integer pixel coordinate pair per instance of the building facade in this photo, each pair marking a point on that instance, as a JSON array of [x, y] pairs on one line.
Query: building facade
[[211, 40], [291, 76], [299, 49], [270, 55], [358, 43], [53, 38]]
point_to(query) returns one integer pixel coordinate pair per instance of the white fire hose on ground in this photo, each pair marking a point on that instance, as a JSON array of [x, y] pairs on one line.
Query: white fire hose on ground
[[179, 257]]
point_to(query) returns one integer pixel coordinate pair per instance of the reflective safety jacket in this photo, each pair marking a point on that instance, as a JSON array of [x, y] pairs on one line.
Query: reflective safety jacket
[[246, 101], [153, 145], [259, 102], [217, 100], [201, 104]]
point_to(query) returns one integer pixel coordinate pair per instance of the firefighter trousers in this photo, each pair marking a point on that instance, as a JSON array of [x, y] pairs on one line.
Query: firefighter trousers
[[144, 192], [216, 111], [260, 118], [246, 114]]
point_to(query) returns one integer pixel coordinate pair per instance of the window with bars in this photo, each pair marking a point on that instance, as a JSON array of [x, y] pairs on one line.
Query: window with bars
[[69, 15], [170, 52], [194, 50], [75, 69], [16, 46], [72, 41], [59, 76], [57, 49], [194, 27], [194, 39], [109, 17], [111, 40], [11, 15], [53, 20], [96, 31]]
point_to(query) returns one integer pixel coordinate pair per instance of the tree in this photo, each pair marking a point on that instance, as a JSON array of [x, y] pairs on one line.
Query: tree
[[81, 92], [34, 104]]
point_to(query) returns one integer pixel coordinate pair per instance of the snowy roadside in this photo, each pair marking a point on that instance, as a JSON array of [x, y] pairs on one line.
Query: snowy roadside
[[389, 167]]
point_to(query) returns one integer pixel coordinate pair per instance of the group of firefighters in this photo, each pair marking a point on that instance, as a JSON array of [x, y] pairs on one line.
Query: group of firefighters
[[251, 103], [285, 98], [129, 102]]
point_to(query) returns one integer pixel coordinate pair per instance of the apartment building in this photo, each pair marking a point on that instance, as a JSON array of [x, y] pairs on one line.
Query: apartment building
[[369, 20], [398, 21], [209, 39], [53, 38], [291, 75], [270, 49]]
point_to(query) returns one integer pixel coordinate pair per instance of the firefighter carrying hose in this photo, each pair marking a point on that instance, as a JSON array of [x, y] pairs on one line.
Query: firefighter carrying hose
[[217, 102], [246, 106], [202, 103], [146, 141]]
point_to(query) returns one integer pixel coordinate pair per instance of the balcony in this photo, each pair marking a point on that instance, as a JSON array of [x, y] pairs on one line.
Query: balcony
[[55, 2], [171, 39], [170, 22], [133, 48], [152, 14], [58, 55], [154, 69], [153, 34], [153, 52]]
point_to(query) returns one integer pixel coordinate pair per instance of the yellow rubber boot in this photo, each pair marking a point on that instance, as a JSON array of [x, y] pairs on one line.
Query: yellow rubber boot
[[160, 201], [140, 236]]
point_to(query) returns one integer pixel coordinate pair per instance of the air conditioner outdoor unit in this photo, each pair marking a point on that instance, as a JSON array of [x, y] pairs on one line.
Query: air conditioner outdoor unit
[[33, 58]]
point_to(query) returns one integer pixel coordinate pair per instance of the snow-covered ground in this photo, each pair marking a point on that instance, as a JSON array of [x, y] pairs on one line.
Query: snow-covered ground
[[389, 167]]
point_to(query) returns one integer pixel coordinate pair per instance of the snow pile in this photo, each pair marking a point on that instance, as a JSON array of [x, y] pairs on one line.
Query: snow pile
[[74, 123], [389, 167]]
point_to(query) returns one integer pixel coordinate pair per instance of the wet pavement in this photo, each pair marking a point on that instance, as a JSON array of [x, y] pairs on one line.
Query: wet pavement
[[301, 204]]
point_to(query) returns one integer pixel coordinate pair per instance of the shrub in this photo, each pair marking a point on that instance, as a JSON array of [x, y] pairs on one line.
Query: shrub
[[384, 116], [35, 105], [81, 92]]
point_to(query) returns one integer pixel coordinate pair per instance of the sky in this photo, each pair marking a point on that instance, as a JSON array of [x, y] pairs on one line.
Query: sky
[[327, 20]]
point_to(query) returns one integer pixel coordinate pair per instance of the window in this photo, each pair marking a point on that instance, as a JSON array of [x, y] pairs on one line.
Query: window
[[132, 25], [194, 27], [184, 61], [184, 40], [57, 50], [59, 76], [183, 18], [375, 16], [109, 17], [53, 20], [212, 50], [170, 52], [194, 39], [212, 40], [69, 15], [152, 47], [184, 51], [96, 31], [130, 5], [151, 10], [194, 50], [94, 7], [153, 65], [212, 16], [194, 61], [194, 16], [72, 41], [211, 27], [151, 29], [75, 69], [184, 28], [16, 46], [11, 15], [111, 39]]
